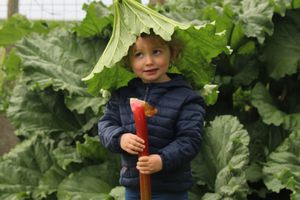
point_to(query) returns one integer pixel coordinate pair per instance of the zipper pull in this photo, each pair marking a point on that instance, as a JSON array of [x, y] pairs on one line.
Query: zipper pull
[[146, 92]]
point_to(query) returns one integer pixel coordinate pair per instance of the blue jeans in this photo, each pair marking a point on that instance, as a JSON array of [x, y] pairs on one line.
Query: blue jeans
[[132, 194]]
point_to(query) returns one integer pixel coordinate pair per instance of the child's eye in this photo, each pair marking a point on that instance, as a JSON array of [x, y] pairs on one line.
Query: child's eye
[[138, 54], [157, 52]]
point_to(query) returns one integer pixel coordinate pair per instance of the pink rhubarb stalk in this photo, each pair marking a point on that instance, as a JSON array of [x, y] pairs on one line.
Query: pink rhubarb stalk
[[140, 110]]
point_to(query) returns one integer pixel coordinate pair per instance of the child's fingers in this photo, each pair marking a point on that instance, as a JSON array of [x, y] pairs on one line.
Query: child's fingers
[[136, 144], [138, 139], [136, 147], [149, 164], [143, 159], [132, 143], [143, 165], [132, 149]]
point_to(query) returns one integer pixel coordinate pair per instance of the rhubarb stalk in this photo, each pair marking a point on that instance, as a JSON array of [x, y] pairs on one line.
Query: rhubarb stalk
[[140, 110]]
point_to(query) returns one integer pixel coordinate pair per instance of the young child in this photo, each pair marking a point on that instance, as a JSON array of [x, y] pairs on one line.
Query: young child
[[174, 132]]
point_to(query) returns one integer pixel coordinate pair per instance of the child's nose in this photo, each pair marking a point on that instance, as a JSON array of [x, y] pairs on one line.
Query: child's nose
[[149, 60]]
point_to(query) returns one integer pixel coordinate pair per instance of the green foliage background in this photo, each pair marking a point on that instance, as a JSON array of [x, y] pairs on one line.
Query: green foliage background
[[250, 149]]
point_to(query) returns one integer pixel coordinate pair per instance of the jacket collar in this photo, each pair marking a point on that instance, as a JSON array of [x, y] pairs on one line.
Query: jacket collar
[[177, 80]]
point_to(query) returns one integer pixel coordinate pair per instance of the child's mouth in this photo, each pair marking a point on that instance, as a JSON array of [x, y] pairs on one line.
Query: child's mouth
[[150, 70]]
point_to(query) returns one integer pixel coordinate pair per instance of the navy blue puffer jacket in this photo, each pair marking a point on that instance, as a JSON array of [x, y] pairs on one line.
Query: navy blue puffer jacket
[[174, 133]]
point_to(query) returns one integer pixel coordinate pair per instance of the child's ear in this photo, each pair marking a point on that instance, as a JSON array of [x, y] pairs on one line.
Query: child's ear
[[125, 62], [175, 53]]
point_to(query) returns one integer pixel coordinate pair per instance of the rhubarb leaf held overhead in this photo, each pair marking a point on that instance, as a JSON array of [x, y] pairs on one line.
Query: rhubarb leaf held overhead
[[131, 18]]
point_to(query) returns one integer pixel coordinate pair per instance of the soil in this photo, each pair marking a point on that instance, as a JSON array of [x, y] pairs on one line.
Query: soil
[[7, 137]]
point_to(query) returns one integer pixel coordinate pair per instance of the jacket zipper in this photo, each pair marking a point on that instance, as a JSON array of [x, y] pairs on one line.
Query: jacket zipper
[[147, 92]]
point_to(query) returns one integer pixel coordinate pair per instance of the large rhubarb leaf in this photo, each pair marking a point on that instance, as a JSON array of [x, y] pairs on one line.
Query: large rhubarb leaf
[[32, 112], [286, 39], [282, 169], [118, 193], [9, 73], [269, 111], [118, 77], [223, 158], [280, 6], [25, 170], [97, 18], [263, 101], [254, 16], [59, 60], [201, 44], [65, 155], [89, 183], [91, 149], [49, 182], [18, 26], [185, 11]]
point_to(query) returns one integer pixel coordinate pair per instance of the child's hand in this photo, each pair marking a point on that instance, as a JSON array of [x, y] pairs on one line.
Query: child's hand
[[132, 143], [149, 164]]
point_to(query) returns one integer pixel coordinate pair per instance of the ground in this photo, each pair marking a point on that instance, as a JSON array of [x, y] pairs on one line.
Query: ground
[[7, 138]]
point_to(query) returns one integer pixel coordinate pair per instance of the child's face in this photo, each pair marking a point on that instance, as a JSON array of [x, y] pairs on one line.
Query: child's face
[[150, 59]]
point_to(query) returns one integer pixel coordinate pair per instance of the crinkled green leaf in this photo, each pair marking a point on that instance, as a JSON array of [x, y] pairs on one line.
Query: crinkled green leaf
[[49, 182], [9, 72], [264, 140], [66, 155], [118, 193], [247, 48], [29, 110], [59, 61], [254, 172], [256, 18], [241, 98], [252, 18], [81, 103], [282, 169], [23, 167], [200, 47], [210, 94], [91, 148], [269, 112], [11, 65], [18, 26], [292, 121], [223, 159], [185, 11], [280, 6], [286, 59], [237, 36], [132, 18], [263, 101], [87, 184], [98, 16], [119, 76], [199, 12], [247, 73], [32, 112], [212, 196]]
